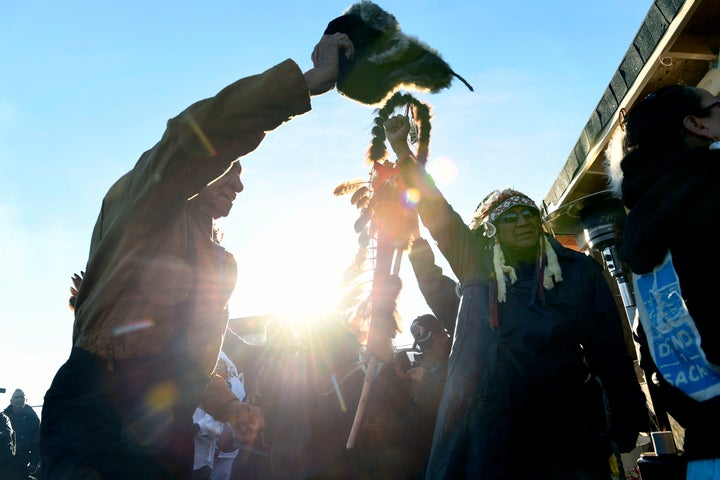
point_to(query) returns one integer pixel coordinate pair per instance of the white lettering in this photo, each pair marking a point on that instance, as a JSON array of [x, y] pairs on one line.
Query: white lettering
[[682, 340], [694, 373], [676, 344]]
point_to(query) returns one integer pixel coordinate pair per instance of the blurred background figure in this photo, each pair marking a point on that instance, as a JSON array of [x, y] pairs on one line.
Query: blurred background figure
[[7, 447], [427, 379], [26, 424]]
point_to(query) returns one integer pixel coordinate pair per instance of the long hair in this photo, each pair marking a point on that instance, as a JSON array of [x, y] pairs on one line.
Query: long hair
[[654, 132], [656, 122]]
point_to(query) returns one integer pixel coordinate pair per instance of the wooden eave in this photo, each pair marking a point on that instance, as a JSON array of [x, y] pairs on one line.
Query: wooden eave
[[677, 43]]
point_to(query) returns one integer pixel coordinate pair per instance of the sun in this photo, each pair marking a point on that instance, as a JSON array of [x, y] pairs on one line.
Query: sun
[[294, 269], [291, 264]]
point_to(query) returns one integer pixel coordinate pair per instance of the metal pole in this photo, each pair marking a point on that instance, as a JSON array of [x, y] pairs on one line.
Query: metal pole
[[613, 266]]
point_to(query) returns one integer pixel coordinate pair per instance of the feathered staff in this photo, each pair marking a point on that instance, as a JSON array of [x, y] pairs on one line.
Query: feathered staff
[[383, 227]]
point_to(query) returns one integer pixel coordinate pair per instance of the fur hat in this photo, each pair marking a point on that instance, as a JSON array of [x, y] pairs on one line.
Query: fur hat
[[385, 58]]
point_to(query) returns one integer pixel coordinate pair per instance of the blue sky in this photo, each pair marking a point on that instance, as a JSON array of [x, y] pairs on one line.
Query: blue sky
[[86, 87]]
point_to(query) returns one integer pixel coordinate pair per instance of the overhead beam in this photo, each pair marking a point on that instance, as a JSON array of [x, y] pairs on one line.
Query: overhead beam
[[695, 47]]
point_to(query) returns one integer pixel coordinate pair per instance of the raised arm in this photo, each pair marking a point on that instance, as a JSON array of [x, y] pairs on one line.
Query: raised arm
[[438, 289], [453, 237]]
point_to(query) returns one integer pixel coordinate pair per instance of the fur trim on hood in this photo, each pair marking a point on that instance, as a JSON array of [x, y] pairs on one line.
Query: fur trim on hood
[[613, 157]]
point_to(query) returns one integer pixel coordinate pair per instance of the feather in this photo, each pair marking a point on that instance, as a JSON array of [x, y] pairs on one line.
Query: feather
[[360, 193], [552, 270], [498, 264], [348, 187], [364, 202]]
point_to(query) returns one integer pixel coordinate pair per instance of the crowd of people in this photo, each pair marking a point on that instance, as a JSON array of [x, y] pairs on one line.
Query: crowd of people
[[524, 337]]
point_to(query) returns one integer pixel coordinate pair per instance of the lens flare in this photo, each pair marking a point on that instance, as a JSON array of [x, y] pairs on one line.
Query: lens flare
[[412, 196], [162, 397], [132, 327], [443, 170]]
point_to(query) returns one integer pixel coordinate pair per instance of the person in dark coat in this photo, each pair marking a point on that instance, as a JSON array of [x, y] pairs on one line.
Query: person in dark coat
[[538, 347], [403, 403], [26, 424], [427, 379], [668, 181]]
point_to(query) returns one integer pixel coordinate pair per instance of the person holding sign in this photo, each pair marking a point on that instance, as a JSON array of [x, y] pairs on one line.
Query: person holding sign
[[668, 181]]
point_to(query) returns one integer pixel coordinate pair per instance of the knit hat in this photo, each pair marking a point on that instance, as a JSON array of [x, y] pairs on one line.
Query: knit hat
[[422, 329], [385, 58], [492, 207]]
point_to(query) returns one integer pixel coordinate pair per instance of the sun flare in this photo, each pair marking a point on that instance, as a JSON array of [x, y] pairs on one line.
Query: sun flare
[[296, 277]]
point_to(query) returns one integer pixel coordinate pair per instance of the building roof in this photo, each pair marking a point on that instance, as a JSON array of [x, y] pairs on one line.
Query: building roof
[[677, 43]]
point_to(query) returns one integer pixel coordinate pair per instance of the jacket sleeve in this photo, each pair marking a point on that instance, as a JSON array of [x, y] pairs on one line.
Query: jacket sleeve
[[437, 289], [454, 238], [217, 398], [7, 440], [200, 143]]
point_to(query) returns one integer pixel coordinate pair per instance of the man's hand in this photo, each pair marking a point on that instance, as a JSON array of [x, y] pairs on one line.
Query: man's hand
[[326, 62], [396, 130], [246, 421], [226, 441], [76, 280]]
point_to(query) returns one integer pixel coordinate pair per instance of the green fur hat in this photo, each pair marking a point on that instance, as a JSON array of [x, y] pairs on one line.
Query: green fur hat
[[386, 59]]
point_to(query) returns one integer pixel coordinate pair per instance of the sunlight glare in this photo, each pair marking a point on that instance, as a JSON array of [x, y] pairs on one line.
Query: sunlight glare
[[294, 275], [443, 170]]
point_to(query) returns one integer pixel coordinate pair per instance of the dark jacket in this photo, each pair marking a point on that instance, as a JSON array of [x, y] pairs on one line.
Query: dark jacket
[[530, 375], [7, 445], [26, 425], [677, 213]]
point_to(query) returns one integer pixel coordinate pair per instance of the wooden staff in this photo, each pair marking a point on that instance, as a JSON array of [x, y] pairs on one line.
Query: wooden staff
[[386, 251], [360, 412]]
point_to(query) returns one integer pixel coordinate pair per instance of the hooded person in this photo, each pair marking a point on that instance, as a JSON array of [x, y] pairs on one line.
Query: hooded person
[[667, 180], [539, 342]]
